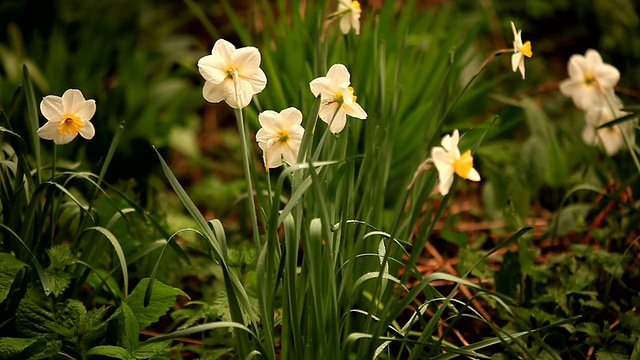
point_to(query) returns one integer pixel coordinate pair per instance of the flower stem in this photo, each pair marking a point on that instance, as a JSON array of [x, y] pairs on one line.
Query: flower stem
[[246, 158]]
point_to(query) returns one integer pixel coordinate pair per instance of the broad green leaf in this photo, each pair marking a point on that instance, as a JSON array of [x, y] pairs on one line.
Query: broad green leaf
[[36, 316], [58, 281], [114, 352], [13, 346], [152, 350], [163, 298], [130, 335], [9, 268]]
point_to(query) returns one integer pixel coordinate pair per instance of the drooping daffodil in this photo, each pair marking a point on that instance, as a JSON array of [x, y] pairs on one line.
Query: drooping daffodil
[[337, 99], [610, 138], [520, 50], [231, 74], [349, 16], [590, 82], [449, 161], [280, 136], [67, 117]]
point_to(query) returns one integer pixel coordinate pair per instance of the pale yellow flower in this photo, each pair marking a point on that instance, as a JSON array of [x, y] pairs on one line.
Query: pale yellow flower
[[350, 16], [231, 74], [337, 99], [449, 161], [610, 137], [280, 136], [67, 117], [591, 81], [520, 50]]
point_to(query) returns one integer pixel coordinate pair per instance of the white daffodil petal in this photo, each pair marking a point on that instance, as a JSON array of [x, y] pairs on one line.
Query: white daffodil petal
[[355, 110], [71, 99], [339, 74], [223, 49], [338, 122], [322, 86], [87, 131], [49, 131], [473, 175], [291, 116], [213, 69], [215, 93], [52, 108], [246, 58], [86, 110], [516, 58], [607, 75]]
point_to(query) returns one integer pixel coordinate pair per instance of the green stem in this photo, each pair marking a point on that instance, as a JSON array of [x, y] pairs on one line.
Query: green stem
[[246, 158]]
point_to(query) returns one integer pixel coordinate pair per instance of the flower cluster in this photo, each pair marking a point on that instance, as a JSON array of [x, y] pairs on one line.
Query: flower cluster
[[591, 87]]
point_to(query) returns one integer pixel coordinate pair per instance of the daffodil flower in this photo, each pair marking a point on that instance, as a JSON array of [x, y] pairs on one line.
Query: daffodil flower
[[280, 136], [231, 74], [520, 50], [349, 16], [337, 99], [449, 161], [590, 81], [67, 117], [610, 137]]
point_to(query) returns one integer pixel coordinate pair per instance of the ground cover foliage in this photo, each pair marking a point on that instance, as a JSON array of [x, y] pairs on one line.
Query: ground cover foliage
[[238, 229]]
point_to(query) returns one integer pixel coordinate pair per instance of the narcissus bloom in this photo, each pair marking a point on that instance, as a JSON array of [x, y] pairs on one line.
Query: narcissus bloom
[[231, 74], [590, 81], [611, 137], [520, 50], [337, 99], [280, 136], [449, 161], [67, 117], [350, 16]]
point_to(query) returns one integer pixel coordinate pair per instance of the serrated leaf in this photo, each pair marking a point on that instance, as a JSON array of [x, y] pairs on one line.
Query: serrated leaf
[[607, 355], [9, 268], [163, 298], [221, 306], [58, 281], [152, 350], [35, 316], [60, 256], [114, 352], [589, 328], [91, 325], [13, 346], [130, 335]]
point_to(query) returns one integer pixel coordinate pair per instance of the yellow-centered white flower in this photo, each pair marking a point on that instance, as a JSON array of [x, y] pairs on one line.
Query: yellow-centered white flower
[[610, 137], [350, 16], [520, 50], [590, 81], [231, 74], [280, 136], [67, 117], [449, 161], [337, 99]]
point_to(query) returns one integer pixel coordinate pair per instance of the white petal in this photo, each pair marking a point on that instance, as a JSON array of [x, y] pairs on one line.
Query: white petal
[[52, 108], [270, 121], [589, 135], [49, 131], [242, 95], [71, 99], [88, 131], [262, 137], [345, 24], [290, 117], [450, 143], [569, 86], [246, 58], [256, 78], [515, 60], [607, 75], [577, 67], [323, 86], [86, 110], [593, 58], [213, 68], [355, 110], [339, 75], [63, 139], [339, 121], [273, 156], [223, 49], [327, 110], [521, 66], [446, 180], [513, 28], [217, 92], [473, 175]]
